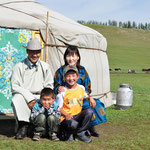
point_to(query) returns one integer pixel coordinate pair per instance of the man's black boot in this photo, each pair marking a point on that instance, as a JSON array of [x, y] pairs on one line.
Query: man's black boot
[[22, 130], [93, 131]]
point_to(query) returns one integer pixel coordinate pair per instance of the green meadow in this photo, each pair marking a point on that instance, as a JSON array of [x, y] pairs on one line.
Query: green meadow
[[127, 48], [125, 129]]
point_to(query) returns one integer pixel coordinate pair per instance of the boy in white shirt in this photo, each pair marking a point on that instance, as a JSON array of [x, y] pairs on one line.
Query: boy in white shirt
[[73, 120]]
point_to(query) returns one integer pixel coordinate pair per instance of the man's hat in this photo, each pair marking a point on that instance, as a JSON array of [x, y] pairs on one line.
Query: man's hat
[[34, 44], [69, 68]]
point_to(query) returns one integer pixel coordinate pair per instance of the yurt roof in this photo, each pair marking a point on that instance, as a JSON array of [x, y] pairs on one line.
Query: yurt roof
[[28, 14]]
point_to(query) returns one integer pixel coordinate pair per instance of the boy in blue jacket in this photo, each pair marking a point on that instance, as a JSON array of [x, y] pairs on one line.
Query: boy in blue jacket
[[45, 115]]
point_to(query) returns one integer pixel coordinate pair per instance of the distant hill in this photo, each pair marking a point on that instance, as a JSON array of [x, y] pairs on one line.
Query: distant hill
[[127, 48]]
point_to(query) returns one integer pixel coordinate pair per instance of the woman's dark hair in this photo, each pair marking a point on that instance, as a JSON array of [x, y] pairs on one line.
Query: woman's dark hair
[[72, 49], [47, 92]]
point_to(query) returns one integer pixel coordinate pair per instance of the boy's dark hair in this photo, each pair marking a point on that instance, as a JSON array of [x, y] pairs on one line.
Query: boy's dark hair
[[72, 49], [47, 92]]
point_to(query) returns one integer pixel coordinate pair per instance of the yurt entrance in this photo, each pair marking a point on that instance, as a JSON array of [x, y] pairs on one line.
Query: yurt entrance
[[11, 52]]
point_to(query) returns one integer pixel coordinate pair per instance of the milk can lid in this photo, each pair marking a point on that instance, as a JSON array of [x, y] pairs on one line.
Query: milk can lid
[[125, 85]]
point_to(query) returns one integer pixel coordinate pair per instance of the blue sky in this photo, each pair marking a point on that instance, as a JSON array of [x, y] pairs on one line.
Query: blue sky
[[102, 10]]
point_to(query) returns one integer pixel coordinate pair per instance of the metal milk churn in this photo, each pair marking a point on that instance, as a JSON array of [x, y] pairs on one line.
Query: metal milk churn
[[124, 96]]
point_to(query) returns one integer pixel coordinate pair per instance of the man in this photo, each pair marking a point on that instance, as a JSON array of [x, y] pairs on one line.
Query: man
[[29, 77]]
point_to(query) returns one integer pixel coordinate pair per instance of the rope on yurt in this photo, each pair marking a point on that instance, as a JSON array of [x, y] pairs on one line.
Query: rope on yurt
[[54, 45], [23, 13], [16, 2], [101, 95]]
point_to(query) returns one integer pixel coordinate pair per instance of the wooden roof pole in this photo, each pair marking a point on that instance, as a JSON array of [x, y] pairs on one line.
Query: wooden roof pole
[[46, 52]]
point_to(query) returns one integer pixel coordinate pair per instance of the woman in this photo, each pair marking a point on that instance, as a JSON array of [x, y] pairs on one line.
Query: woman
[[72, 57]]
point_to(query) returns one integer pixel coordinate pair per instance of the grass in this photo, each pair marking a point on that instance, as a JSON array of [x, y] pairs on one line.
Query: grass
[[127, 48], [139, 82], [125, 129]]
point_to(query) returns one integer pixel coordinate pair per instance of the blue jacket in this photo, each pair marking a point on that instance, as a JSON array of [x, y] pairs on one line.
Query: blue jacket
[[59, 79]]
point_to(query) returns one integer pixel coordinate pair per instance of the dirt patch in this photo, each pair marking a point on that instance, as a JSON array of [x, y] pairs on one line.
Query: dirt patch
[[7, 127], [106, 130]]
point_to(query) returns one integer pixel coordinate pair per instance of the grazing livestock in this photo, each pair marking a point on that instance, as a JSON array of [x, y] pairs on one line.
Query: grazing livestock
[[146, 69], [131, 71], [117, 69]]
